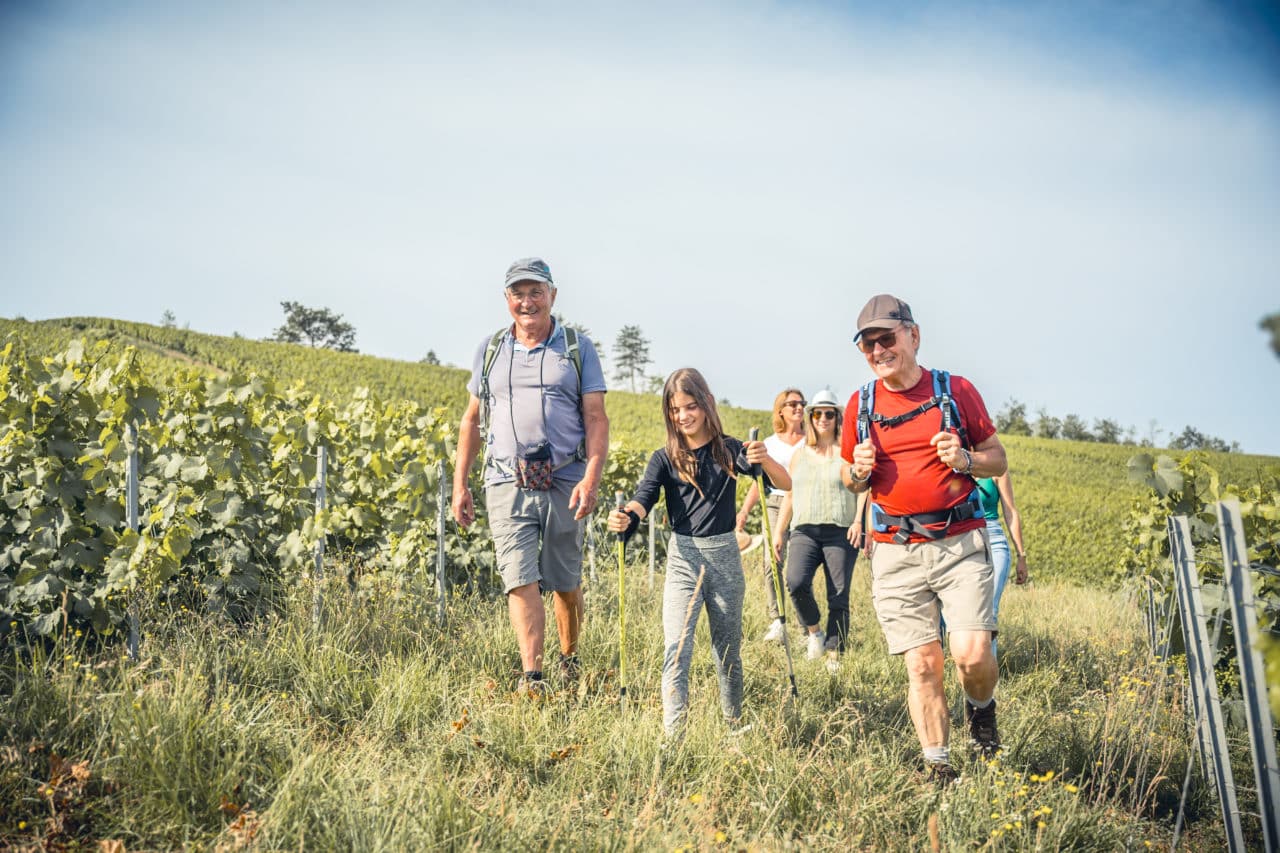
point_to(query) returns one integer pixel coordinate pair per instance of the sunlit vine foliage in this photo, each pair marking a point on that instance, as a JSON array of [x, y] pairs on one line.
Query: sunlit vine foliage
[[1192, 487]]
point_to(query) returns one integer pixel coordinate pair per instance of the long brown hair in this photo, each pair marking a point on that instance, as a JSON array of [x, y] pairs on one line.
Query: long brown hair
[[689, 381], [779, 423]]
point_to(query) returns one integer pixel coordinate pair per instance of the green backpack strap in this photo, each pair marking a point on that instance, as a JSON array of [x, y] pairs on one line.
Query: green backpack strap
[[574, 353], [490, 354]]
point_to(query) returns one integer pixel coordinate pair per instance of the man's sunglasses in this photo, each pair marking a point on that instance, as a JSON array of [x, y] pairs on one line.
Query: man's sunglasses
[[888, 339]]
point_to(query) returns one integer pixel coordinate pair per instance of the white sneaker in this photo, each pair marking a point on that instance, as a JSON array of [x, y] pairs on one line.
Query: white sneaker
[[833, 662], [774, 634], [817, 645]]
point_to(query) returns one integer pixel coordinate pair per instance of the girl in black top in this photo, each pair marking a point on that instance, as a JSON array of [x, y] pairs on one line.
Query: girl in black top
[[697, 472]]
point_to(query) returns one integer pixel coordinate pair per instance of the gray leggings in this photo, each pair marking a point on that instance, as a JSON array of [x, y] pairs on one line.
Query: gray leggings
[[702, 570]]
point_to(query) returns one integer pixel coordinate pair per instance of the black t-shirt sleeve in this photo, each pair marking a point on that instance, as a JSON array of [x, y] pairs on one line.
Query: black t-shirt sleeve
[[650, 485]]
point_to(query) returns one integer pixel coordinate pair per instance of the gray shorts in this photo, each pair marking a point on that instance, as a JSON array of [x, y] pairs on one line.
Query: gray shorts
[[536, 536], [911, 583]]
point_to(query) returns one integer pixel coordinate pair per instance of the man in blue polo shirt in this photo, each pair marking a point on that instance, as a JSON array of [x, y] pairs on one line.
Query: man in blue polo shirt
[[545, 435]]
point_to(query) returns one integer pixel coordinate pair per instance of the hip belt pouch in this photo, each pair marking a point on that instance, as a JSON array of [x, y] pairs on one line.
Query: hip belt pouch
[[533, 467]]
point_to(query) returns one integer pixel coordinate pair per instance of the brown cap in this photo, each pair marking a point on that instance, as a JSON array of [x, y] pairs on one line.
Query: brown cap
[[882, 312]]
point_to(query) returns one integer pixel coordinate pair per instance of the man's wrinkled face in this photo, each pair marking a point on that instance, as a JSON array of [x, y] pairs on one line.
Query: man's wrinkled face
[[891, 352], [530, 302]]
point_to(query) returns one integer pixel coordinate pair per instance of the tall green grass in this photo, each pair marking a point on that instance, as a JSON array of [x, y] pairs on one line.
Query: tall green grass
[[382, 731]]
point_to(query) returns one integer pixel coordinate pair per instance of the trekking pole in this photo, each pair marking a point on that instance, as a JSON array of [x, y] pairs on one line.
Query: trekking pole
[[753, 435], [622, 610]]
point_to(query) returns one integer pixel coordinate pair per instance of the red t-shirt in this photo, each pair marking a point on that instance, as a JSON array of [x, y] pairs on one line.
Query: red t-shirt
[[909, 478]]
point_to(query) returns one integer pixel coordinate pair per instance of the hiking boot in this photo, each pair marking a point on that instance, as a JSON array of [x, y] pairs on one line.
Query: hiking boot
[[817, 645], [941, 773], [775, 632], [531, 686], [981, 722], [570, 669]]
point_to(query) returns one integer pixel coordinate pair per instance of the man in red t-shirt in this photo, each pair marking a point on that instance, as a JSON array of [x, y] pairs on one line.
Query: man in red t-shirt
[[930, 549]]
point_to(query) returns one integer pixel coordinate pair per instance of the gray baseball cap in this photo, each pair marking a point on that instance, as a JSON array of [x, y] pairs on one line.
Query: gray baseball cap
[[883, 312], [529, 269]]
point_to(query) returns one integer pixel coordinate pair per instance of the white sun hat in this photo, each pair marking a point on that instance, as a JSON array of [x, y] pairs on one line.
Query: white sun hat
[[824, 399]]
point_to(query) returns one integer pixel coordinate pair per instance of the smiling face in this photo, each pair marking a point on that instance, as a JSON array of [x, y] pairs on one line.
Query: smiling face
[[824, 421], [891, 355], [530, 304], [792, 411], [689, 419]]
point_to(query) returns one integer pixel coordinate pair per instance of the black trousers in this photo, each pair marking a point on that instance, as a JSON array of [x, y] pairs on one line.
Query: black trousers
[[827, 545]]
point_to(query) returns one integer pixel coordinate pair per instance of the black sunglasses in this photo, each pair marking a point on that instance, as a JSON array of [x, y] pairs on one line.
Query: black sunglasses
[[888, 339]]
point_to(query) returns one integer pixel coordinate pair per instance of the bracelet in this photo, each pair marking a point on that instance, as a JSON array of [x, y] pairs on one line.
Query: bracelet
[[968, 468], [856, 478]]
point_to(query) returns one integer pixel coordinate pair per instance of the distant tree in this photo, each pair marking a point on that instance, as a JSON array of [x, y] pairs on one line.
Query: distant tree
[[1012, 420], [1271, 324], [631, 355], [317, 327], [1046, 425], [168, 319], [1075, 429], [1107, 431], [430, 358], [1193, 439], [1152, 438], [653, 385]]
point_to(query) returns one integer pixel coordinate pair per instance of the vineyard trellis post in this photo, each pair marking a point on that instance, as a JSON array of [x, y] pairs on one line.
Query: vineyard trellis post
[[131, 518], [441, 582], [1207, 714], [322, 459], [1253, 676]]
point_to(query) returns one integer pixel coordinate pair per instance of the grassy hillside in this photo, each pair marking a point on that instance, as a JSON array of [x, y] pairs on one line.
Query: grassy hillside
[[1074, 496], [381, 731]]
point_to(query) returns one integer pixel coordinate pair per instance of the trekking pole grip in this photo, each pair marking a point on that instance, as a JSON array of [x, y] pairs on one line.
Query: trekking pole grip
[[753, 434], [618, 503]]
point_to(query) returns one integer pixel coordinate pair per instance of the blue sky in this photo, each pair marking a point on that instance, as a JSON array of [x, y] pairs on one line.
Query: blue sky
[[1080, 201]]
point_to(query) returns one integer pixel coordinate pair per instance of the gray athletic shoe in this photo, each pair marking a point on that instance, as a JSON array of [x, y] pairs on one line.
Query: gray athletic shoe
[[941, 773], [534, 689]]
